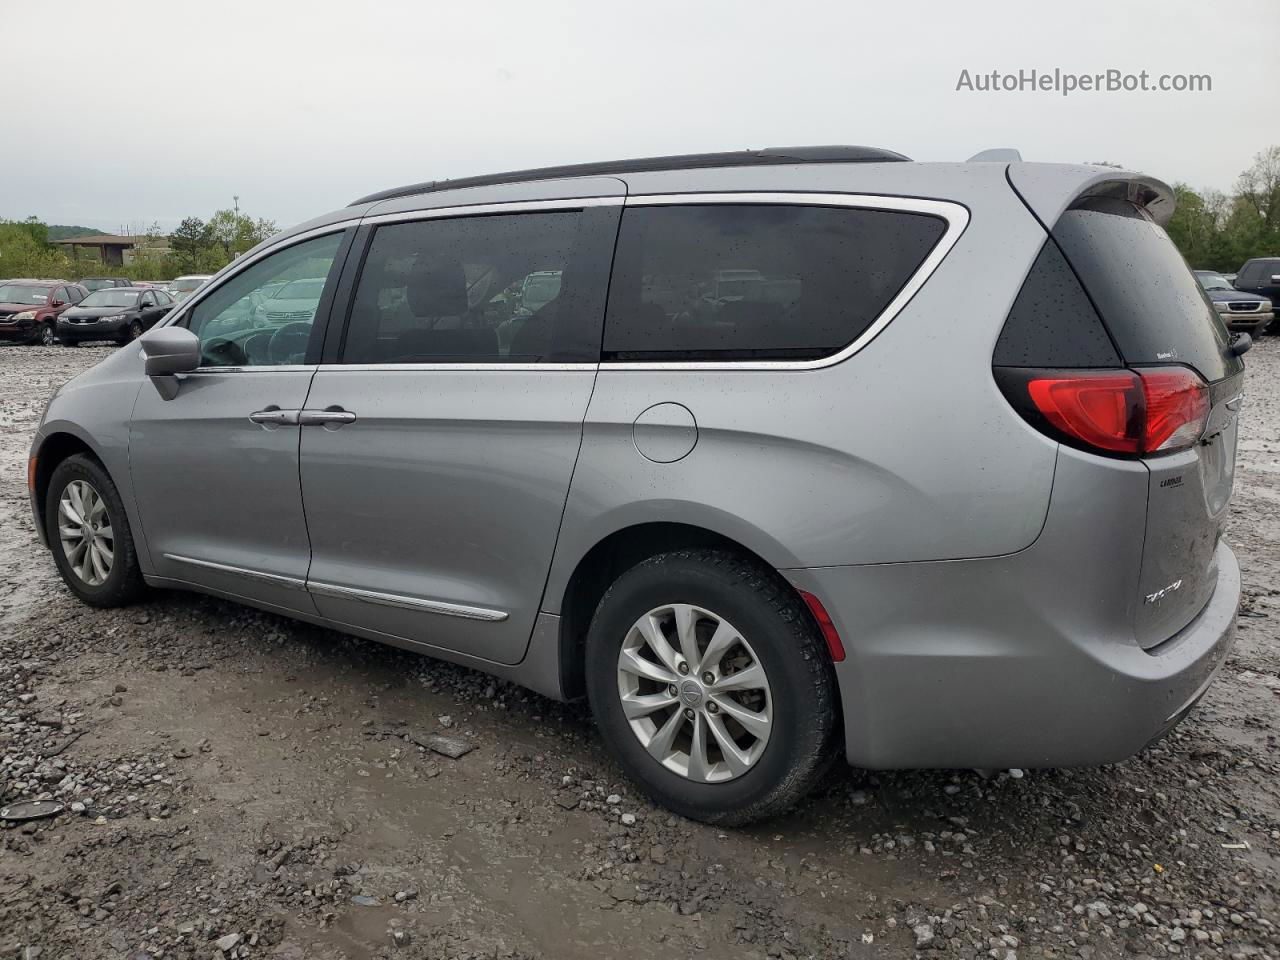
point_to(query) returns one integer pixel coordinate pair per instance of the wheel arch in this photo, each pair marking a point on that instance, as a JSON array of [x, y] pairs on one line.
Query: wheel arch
[[603, 562], [54, 448]]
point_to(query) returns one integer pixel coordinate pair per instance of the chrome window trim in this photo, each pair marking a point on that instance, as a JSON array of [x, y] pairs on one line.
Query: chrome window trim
[[264, 368], [416, 604], [462, 367], [954, 214], [483, 209], [275, 579]]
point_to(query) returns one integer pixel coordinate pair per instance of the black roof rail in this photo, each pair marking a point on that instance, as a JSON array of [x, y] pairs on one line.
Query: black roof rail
[[689, 161]]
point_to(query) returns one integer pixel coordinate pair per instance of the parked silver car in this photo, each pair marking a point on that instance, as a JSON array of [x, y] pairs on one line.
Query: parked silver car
[[937, 487]]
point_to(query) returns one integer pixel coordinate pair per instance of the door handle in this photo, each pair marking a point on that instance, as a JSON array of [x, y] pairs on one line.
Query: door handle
[[273, 416], [331, 417]]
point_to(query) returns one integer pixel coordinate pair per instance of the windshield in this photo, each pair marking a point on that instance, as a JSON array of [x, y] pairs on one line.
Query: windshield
[[100, 283], [22, 293], [1213, 281], [186, 285], [301, 290], [540, 289], [111, 298]]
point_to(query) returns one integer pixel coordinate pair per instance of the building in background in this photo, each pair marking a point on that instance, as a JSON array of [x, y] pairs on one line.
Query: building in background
[[114, 250]]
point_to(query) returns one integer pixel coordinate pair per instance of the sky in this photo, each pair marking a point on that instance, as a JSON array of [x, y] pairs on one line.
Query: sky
[[138, 111]]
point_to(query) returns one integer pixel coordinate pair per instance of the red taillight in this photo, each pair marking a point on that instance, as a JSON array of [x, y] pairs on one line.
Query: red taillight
[[1103, 410], [829, 633], [1151, 410], [1177, 408]]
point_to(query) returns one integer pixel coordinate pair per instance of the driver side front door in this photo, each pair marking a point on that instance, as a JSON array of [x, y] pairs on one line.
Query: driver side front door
[[215, 469]]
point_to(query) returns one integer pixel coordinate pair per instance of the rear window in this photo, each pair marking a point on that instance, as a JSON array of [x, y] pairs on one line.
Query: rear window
[[1146, 294], [745, 282]]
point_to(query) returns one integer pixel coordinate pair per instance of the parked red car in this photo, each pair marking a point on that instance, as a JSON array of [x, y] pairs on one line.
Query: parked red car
[[29, 309]]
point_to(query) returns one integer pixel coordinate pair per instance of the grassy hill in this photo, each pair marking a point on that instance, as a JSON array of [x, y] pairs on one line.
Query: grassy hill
[[61, 231]]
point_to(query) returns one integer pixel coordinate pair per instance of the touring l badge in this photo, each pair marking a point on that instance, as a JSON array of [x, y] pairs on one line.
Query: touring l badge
[[1161, 594]]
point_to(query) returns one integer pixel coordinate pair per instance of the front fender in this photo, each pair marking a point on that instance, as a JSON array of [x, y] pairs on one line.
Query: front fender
[[93, 412]]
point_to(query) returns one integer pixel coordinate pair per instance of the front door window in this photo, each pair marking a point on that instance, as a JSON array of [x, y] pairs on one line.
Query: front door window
[[265, 315]]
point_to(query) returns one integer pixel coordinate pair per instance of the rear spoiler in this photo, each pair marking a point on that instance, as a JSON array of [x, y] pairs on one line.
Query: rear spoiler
[[1050, 189]]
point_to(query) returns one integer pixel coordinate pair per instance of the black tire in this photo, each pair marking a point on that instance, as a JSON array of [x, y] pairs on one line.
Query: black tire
[[134, 332], [767, 612], [46, 336], [123, 584]]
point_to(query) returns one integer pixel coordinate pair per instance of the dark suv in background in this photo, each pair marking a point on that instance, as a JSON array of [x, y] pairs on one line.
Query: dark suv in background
[[29, 309], [1244, 312], [1261, 276]]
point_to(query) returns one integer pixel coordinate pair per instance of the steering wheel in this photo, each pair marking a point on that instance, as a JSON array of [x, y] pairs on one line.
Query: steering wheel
[[221, 352], [289, 342]]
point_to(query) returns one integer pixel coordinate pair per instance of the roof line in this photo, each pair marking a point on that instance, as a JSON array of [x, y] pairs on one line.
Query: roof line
[[690, 161]]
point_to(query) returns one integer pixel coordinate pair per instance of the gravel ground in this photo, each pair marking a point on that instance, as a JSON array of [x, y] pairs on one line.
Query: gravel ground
[[239, 785]]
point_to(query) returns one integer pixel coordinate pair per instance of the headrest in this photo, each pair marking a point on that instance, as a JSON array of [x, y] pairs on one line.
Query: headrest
[[437, 288]]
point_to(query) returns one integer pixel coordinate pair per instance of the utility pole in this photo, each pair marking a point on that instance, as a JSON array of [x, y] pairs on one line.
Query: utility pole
[[236, 203]]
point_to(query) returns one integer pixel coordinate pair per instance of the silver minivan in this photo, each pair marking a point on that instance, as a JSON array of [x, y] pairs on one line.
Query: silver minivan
[[941, 483]]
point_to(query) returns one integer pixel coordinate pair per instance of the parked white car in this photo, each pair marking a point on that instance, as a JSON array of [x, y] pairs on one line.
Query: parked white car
[[183, 287]]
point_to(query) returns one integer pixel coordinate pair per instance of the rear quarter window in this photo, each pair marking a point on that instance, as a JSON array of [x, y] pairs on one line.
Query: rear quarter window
[[1146, 294], [756, 281]]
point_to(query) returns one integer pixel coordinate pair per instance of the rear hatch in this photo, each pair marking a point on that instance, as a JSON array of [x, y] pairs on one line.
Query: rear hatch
[[1159, 318]]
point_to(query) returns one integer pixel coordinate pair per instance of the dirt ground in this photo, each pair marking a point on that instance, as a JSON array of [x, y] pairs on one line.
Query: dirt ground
[[239, 785]]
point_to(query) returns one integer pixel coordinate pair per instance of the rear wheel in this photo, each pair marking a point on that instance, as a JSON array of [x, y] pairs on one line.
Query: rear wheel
[[89, 534], [712, 686]]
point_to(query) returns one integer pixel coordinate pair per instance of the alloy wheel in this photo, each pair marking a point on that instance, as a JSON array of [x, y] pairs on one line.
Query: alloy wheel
[[47, 337], [84, 527], [694, 693]]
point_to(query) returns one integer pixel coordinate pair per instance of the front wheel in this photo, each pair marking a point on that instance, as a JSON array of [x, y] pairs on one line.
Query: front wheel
[[46, 337], [89, 534], [711, 684]]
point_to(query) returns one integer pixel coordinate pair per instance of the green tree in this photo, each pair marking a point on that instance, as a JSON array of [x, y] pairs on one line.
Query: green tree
[[1220, 232], [39, 230], [24, 252], [236, 233], [189, 241], [1259, 189]]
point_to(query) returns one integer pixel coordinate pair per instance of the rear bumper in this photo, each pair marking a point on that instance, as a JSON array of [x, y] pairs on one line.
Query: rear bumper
[[968, 681], [1031, 659]]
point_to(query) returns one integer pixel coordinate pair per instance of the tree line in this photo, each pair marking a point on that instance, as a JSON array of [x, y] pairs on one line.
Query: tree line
[[196, 246], [1220, 231]]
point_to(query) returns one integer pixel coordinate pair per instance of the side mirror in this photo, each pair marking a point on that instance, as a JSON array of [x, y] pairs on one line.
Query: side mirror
[[57, 303], [169, 351]]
